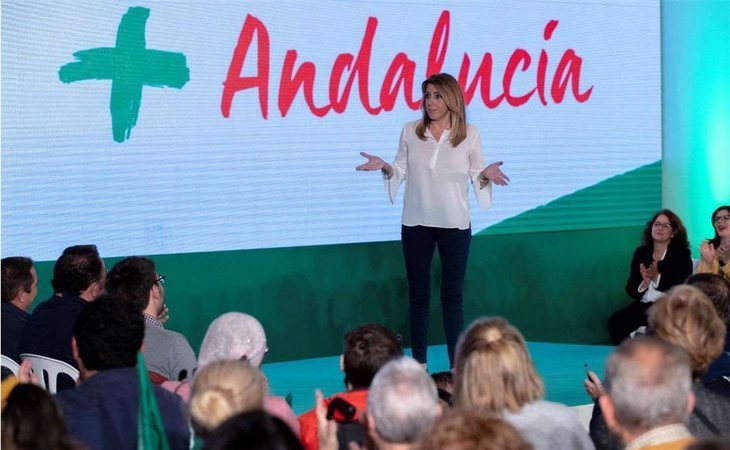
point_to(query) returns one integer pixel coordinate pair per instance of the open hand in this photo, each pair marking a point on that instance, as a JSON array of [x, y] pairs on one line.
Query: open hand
[[495, 174], [373, 163]]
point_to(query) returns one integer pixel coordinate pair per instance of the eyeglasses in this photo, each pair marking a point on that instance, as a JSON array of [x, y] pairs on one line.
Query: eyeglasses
[[160, 279], [666, 226], [725, 218]]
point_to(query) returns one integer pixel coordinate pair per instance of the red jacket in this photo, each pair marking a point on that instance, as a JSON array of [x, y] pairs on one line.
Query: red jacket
[[308, 420]]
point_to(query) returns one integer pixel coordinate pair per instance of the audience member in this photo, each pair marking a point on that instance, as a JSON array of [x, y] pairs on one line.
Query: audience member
[[367, 348], [686, 319], [102, 411], [661, 261], [223, 389], [495, 375], [402, 404], [166, 352], [78, 278], [648, 395], [235, 335], [31, 421], [19, 288], [717, 289], [253, 430], [471, 430], [716, 251]]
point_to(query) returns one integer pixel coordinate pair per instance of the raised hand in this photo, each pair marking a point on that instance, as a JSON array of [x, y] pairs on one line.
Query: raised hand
[[495, 174], [326, 429], [708, 252]]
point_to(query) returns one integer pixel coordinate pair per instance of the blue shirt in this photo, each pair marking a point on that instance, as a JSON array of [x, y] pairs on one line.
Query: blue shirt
[[51, 327], [101, 413]]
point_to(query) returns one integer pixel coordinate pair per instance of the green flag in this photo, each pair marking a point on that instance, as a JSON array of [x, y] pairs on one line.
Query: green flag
[[150, 430]]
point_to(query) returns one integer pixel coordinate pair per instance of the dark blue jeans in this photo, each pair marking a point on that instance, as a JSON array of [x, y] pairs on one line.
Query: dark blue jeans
[[419, 243]]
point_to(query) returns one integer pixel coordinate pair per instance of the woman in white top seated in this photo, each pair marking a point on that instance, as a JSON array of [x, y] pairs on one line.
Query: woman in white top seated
[[438, 157]]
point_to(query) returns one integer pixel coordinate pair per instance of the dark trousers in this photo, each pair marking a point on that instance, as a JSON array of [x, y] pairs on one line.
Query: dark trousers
[[419, 243], [626, 320]]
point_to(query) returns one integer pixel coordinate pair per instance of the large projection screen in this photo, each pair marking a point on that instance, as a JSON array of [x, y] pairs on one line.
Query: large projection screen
[[174, 127]]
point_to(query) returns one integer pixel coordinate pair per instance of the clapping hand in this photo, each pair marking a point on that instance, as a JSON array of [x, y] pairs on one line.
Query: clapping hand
[[708, 252], [648, 274]]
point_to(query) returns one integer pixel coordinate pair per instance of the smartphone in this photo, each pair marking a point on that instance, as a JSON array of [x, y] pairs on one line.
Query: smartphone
[[588, 370]]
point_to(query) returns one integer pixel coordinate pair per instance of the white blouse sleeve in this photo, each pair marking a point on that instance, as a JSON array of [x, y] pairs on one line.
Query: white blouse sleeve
[[476, 165], [400, 166]]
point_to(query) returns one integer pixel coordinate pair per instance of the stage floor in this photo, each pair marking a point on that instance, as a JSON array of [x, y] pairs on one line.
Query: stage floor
[[560, 365]]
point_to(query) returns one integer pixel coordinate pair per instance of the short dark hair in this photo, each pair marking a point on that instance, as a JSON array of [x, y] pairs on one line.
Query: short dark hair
[[131, 279], [76, 269], [367, 349], [253, 430], [109, 333], [717, 289], [16, 276]]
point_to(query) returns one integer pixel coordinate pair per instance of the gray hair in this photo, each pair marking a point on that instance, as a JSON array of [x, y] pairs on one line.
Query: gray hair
[[402, 400], [649, 382]]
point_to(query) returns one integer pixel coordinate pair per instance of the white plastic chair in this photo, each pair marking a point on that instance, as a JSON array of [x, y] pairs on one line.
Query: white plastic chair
[[10, 364], [50, 368]]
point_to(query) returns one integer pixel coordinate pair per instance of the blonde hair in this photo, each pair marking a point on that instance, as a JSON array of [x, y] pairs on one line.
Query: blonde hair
[[223, 389], [493, 370], [686, 318], [450, 91]]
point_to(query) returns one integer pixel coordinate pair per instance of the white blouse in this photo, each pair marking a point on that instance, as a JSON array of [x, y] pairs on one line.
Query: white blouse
[[437, 178]]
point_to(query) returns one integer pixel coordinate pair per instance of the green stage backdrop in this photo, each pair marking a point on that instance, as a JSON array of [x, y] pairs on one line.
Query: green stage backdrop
[[555, 285]]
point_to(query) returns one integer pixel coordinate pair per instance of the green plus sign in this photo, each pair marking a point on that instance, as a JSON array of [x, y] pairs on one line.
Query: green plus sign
[[130, 66]]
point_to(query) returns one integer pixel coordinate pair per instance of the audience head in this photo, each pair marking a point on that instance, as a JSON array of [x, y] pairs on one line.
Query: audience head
[[31, 421], [717, 289], [253, 430], [402, 401], [108, 334], [20, 281], [685, 317], [648, 384], [79, 271], [721, 224], [367, 349], [135, 280], [223, 389], [493, 370], [679, 232], [472, 430], [233, 335]]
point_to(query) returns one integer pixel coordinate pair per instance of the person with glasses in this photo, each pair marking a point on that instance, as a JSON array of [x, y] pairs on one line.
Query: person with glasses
[[716, 251], [168, 354], [661, 261]]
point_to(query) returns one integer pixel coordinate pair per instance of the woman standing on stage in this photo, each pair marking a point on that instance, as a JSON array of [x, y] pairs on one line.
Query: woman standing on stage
[[438, 156]]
